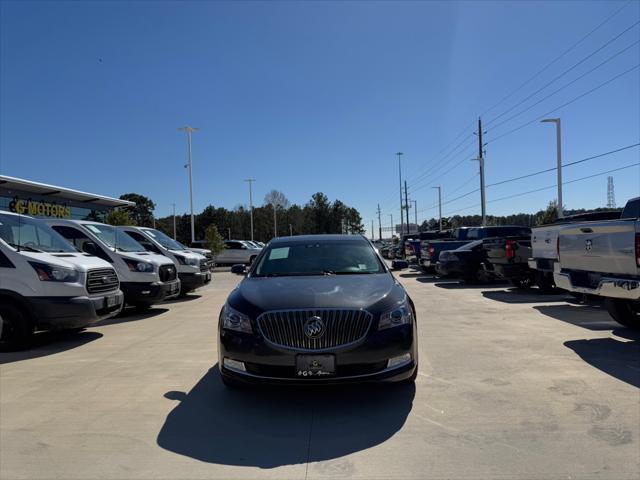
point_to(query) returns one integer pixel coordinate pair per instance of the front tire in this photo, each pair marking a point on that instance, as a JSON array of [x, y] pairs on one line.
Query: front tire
[[625, 312], [545, 283], [16, 328], [521, 283]]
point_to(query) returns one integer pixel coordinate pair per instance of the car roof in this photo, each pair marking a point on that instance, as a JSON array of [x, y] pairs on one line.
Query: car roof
[[318, 238]]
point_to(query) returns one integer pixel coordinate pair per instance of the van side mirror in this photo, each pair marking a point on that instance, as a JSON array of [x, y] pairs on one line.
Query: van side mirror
[[91, 248], [239, 269]]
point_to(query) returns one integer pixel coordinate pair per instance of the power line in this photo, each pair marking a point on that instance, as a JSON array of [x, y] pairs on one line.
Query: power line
[[566, 85], [565, 72], [535, 75], [566, 103]]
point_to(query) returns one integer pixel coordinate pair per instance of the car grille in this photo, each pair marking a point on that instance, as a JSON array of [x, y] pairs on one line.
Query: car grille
[[341, 327], [102, 280], [167, 273]]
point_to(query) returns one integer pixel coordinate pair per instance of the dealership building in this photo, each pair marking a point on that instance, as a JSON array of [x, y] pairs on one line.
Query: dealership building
[[49, 201]]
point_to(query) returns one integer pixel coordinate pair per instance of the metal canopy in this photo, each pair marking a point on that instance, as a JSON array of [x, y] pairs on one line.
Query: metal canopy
[[53, 191]]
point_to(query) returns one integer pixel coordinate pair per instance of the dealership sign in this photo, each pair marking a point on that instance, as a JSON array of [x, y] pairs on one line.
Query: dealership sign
[[39, 209]]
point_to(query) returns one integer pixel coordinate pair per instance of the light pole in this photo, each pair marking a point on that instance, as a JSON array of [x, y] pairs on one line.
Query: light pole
[[250, 181], [399, 154], [439, 205], [189, 165], [290, 230], [482, 195], [392, 226], [174, 221], [559, 160], [275, 221]]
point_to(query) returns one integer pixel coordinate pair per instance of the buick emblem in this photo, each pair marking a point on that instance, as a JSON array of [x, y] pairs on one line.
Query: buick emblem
[[314, 327], [588, 244]]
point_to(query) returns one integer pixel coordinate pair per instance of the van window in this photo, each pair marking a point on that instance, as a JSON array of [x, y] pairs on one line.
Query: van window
[[147, 244], [79, 239], [31, 234]]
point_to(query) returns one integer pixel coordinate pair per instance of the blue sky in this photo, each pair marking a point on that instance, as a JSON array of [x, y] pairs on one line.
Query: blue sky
[[315, 96]]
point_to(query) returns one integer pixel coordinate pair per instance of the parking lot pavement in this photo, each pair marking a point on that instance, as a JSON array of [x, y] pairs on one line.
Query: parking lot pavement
[[511, 385]]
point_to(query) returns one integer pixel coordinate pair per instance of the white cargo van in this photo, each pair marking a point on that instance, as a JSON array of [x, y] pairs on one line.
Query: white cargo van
[[46, 284], [145, 277], [193, 269]]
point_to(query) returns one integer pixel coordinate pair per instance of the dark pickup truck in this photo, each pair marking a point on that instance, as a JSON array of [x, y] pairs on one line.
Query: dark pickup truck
[[461, 236], [507, 258]]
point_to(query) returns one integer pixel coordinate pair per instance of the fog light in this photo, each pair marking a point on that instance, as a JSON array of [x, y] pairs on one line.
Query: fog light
[[234, 364], [400, 360]]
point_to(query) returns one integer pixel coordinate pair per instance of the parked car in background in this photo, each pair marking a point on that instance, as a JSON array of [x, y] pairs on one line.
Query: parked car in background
[[465, 263], [205, 252], [507, 258], [603, 258], [544, 245], [237, 251], [47, 284], [145, 278], [193, 270], [252, 244], [459, 237]]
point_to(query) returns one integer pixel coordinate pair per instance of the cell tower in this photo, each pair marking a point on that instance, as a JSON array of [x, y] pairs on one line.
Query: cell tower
[[611, 196]]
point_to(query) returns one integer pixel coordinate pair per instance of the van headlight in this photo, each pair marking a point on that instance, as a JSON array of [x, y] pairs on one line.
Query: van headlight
[[143, 267], [400, 315], [234, 320], [53, 273], [194, 262]]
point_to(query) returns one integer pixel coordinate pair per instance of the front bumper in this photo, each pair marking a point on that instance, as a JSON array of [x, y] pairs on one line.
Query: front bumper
[[149, 292], [607, 286], [60, 313], [191, 281], [361, 363]]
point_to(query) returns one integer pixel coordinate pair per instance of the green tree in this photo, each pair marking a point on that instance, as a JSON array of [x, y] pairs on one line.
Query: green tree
[[142, 211], [548, 215], [120, 217], [213, 240]]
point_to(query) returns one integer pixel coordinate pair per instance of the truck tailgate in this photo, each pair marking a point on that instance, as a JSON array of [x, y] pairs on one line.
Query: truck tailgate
[[544, 242], [605, 247]]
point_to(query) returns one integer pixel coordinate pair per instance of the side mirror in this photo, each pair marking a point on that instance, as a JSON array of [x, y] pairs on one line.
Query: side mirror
[[91, 248], [239, 269], [399, 265]]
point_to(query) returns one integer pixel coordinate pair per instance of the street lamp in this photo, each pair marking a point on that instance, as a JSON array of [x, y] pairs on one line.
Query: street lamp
[[250, 181], [189, 165], [399, 154], [559, 160]]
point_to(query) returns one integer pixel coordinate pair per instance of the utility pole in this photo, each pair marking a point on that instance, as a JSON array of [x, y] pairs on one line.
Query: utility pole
[[439, 205], [174, 221], [399, 154], [275, 221], [559, 161], [480, 159], [290, 230], [406, 204], [189, 165], [393, 227], [415, 211], [250, 181], [379, 224], [229, 232], [373, 235]]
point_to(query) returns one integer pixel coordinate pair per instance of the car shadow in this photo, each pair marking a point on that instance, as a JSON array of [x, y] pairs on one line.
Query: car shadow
[[459, 284], [50, 343], [590, 316], [620, 359], [132, 315], [272, 427], [515, 295], [186, 298]]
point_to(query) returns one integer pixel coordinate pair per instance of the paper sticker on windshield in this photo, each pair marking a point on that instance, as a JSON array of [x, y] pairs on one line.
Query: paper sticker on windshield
[[362, 266], [278, 253], [93, 228]]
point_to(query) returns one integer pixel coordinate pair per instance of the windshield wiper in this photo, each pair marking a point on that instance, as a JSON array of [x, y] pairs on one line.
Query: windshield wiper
[[25, 248]]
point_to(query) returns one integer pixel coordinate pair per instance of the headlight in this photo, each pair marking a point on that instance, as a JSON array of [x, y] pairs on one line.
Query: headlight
[[234, 320], [400, 315], [188, 260], [53, 273], [144, 267]]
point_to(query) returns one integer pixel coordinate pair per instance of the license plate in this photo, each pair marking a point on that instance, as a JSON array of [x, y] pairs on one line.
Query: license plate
[[111, 301], [315, 365]]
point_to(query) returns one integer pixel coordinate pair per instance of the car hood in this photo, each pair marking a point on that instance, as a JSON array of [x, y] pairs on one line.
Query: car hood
[[369, 292], [78, 261]]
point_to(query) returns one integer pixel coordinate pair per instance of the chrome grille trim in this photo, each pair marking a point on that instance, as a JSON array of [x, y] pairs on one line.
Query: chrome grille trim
[[102, 280], [343, 327]]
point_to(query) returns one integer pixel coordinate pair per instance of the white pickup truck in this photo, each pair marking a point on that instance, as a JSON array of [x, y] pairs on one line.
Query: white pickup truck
[[544, 245], [603, 258]]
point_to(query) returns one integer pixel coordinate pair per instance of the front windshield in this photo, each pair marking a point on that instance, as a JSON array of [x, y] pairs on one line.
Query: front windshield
[[32, 235], [319, 258], [164, 240], [114, 238]]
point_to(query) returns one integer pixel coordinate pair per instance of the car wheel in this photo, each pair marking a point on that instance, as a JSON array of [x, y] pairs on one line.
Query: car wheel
[[625, 312], [16, 328], [521, 283], [545, 283]]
